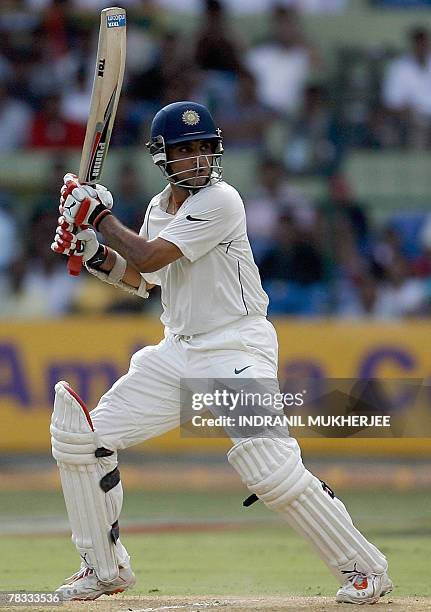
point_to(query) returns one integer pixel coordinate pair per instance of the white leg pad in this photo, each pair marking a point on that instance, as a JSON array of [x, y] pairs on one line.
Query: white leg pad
[[276, 474], [91, 485]]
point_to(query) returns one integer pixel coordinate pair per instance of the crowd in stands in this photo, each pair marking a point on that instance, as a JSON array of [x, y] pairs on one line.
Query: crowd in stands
[[317, 258]]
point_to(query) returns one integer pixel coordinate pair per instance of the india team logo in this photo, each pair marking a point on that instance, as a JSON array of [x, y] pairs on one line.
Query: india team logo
[[190, 117]]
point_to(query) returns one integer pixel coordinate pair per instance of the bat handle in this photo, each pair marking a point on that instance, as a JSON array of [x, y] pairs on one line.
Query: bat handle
[[74, 261], [74, 265]]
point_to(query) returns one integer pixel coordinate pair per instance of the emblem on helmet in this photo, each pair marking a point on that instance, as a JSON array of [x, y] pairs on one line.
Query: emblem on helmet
[[190, 117]]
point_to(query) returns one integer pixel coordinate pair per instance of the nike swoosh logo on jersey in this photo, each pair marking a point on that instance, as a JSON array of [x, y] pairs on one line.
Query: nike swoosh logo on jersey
[[190, 218], [242, 369]]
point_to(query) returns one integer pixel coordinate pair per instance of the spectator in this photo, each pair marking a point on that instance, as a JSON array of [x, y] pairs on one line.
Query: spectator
[[407, 89], [17, 20], [377, 131], [128, 128], [316, 141], [293, 272], [76, 98], [342, 205], [402, 295], [362, 298], [273, 196], [49, 74], [385, 250], [320, 6], [421, 266], [396, 295], [148, 88], [56, 27], [283, 64], [15, 119], [51, 130], [36, 285], [9, 246], [145, 24], [6, 71], [217, 56], [45, 198], [130, 199], [246, 121], [216, 46]]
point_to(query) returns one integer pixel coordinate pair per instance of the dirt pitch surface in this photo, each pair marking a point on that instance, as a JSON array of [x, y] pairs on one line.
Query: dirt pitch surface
[[229, 604]]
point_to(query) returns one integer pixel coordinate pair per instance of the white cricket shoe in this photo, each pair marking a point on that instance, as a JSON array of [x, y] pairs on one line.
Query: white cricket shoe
[[86, 585], [362, 589]]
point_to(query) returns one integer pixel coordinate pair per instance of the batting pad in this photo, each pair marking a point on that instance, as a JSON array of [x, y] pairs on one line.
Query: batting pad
[[276, 474], [91, 484]]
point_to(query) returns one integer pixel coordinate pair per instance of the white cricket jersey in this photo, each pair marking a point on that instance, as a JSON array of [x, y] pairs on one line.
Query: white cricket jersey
[[217, 281]]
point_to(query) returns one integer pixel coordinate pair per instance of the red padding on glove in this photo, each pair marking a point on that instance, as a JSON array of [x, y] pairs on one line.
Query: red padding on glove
[[83, 211], [81, 403]]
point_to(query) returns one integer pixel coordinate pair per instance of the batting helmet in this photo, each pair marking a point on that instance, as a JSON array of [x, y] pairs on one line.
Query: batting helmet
[[182, 122]]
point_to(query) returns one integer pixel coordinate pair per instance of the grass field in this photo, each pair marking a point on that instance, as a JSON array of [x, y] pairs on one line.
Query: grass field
[[205, 545]]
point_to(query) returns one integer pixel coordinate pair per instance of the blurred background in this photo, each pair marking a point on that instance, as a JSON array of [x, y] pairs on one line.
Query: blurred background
[[325, 107]]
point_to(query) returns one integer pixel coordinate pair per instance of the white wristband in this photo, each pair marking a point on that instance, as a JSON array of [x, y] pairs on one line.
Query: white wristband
[[119, 268]]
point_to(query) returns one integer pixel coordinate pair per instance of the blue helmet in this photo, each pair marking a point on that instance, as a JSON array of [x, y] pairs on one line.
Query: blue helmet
[[182, 122]]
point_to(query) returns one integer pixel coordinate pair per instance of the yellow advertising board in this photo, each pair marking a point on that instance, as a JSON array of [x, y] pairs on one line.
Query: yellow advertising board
[[91, 353]]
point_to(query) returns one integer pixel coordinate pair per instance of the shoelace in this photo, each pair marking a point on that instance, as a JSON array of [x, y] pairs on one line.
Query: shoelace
[[82, 573]]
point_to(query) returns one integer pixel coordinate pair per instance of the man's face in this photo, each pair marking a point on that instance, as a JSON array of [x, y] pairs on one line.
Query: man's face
[[191, 162]]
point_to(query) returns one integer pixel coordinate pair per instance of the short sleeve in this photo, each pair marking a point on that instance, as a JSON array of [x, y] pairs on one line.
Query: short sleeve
[[152, 278], [206, 221]]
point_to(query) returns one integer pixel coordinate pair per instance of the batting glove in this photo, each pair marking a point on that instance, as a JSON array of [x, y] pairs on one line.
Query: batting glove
[[84, 243], [84, 204]]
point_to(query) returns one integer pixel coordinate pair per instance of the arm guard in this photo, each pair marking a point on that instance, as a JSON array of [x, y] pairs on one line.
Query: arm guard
[[115, 276]]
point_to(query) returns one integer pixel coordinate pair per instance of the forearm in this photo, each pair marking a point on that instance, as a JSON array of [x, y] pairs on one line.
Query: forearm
[[135, 249], [110, 267], [141, 254], [131, 276]]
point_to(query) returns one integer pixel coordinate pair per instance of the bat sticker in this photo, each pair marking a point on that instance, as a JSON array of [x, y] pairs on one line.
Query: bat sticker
[[99, 145], [116, 21]]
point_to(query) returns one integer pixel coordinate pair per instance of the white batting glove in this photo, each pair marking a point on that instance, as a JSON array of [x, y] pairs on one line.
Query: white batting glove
[[84, 204], [84, 243]]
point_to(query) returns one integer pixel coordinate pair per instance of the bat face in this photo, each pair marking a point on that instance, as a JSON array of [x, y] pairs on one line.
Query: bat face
[[108, 78]]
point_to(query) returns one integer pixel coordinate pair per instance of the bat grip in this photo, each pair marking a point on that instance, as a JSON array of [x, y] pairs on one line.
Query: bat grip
[[74, 261], [74, 265]]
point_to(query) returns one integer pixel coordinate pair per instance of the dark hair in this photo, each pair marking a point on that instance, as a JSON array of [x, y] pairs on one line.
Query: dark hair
[[418, 34], [214, 6]]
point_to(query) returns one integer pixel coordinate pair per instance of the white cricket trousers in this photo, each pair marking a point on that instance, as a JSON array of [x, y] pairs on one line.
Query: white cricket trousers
[[145, 403]]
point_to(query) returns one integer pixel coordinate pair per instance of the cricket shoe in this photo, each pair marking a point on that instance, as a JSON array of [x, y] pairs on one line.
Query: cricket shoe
[[86, 585], [362, 589]]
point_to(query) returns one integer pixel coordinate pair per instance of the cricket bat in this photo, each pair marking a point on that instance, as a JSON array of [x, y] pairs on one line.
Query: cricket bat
[[108, 79]]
